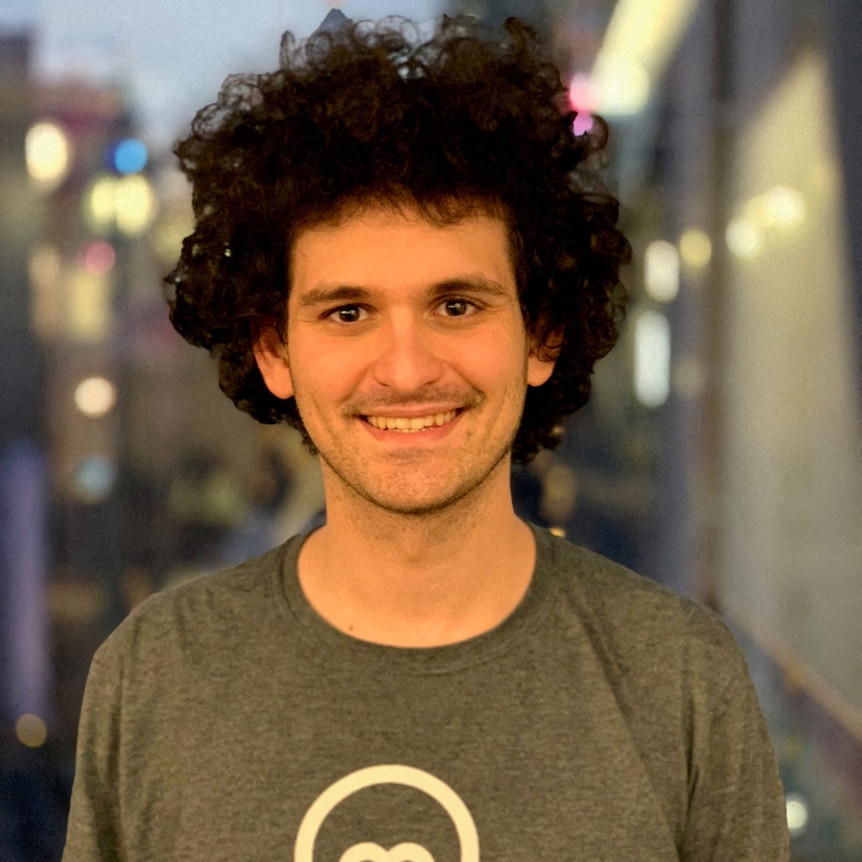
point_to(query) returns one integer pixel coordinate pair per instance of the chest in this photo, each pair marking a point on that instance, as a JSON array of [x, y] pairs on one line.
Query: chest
[[495, 763]]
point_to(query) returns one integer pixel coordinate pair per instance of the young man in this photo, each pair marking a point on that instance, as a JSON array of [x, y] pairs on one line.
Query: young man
[[399, 250]]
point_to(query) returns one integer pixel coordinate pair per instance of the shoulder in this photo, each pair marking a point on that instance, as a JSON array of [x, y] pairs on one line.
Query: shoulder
[[682, 683], [638, 626], [204, 616]]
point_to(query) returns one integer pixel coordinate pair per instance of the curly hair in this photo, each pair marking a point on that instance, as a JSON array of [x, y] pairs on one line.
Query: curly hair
[[464, 122]]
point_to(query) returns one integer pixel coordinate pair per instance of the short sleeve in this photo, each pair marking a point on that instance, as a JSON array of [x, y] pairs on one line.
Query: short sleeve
[[736, 809], [93, 833]]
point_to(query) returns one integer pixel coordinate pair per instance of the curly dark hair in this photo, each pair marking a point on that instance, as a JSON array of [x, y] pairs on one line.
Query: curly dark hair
[[467, 121]]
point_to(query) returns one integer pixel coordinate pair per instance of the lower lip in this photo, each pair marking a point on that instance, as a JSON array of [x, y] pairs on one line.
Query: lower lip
[[431, 434]]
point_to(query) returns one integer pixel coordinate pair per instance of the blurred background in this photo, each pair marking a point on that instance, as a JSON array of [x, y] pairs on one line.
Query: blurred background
[[720, 453]]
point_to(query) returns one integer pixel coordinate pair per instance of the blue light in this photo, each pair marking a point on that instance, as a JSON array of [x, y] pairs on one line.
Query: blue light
[[129, 156], [95, 478]]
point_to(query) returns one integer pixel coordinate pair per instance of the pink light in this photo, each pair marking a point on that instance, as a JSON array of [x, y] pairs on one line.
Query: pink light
[[582, 93], [97, 258], [582, 100], [583, 123]]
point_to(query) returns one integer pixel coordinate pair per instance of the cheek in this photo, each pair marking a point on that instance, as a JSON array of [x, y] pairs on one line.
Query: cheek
[[332, 372], [494, 352]]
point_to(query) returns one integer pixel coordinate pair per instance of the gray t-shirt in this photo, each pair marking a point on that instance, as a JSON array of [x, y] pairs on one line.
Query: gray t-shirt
[[605, 720]]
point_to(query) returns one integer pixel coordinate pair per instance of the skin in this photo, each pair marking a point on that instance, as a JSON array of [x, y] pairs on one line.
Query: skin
[[395, 321]]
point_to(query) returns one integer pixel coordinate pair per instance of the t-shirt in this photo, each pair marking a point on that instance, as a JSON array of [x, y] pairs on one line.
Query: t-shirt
[[604, 720]]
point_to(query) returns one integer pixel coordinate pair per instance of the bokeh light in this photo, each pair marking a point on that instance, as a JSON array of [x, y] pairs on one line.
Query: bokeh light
[[95, 396], [661, 270], [129, 156], [622, 85], [97, 257], [127, 203], [695, 248], [780, 207], [31, 730], [100, 205], [638, 44], [797, 814], [582, 100], [745, 238], [136, 204], [652, 358], [584, 123], [48, 155], [94, 478]]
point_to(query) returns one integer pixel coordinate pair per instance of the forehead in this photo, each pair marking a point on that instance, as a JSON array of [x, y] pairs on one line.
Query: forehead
[[379, 246]]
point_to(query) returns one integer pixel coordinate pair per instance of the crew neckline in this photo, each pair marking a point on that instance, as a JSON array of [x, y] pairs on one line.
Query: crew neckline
[[336, 645]]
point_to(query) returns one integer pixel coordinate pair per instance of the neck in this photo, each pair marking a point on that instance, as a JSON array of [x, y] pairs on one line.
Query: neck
[[418, 580]]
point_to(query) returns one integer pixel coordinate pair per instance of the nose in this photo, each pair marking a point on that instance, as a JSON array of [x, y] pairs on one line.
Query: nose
[[408, 356]]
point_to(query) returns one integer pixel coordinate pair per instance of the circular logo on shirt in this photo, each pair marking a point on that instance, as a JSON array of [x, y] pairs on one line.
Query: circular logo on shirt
[[369, 851]]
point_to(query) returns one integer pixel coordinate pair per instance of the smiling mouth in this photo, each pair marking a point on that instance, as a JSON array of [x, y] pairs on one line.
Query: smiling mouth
[[411, 425]]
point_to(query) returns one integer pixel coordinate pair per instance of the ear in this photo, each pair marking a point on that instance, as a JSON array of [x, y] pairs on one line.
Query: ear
[[270, 352], [542, 357]]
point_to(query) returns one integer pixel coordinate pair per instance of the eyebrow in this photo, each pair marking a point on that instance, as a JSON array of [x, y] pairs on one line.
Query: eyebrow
[[474, 285], [338, 293]]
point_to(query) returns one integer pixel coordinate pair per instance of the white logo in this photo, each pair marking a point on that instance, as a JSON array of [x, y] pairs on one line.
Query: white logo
[[367, 851]]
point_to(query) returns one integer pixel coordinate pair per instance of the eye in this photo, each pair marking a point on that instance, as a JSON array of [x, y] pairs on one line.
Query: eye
[[346, 314], [457, 307]]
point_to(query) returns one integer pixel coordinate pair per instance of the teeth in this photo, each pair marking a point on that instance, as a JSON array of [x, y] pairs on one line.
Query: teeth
[[401, 423]]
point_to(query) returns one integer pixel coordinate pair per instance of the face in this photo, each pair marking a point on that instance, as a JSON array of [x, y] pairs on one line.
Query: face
[[408, 357]]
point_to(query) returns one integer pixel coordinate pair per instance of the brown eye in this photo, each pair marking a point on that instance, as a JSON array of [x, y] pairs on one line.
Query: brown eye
[[347, 314], [456, 307]]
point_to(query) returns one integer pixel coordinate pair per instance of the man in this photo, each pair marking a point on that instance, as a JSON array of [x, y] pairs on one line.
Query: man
[[400, 250]]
